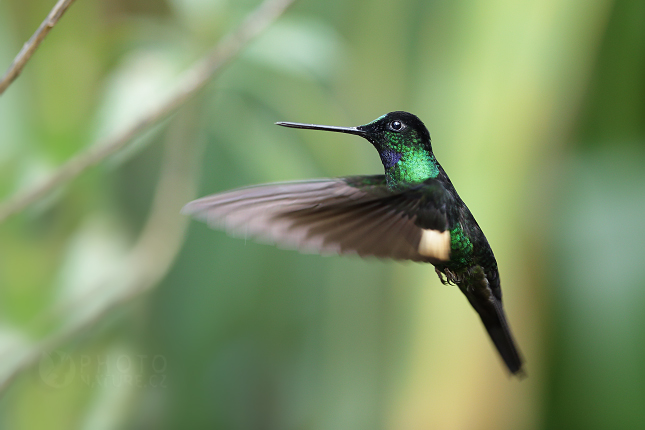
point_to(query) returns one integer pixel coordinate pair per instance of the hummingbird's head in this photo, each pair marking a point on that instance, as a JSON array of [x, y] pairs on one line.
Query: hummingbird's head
[[395, 135]]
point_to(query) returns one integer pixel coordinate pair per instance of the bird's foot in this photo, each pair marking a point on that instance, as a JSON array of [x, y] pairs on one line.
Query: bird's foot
[[445, 276]]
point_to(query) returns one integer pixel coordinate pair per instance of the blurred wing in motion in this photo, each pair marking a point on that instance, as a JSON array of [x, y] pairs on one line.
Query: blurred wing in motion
[[356, 215]]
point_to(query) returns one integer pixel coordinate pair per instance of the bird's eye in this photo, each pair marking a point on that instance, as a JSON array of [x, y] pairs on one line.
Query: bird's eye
[[396, 125]]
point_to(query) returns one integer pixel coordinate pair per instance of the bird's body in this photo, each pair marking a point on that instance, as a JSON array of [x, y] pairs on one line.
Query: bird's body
[[413, 212]]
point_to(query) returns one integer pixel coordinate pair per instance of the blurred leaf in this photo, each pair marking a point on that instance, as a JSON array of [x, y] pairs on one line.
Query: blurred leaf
[[302, 46], [96, 250], [142, 81]]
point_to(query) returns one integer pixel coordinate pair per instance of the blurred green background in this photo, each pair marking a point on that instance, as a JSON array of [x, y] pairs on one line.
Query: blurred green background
[[118, 312]]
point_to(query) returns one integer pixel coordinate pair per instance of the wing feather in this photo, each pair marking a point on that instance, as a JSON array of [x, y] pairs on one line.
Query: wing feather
[[345, 215]]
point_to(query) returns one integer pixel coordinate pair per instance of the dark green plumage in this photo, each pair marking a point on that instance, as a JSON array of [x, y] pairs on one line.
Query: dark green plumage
[[413, 212]]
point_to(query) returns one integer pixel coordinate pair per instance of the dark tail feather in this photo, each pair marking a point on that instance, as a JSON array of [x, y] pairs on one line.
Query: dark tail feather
[[492, 315], [500, 333]]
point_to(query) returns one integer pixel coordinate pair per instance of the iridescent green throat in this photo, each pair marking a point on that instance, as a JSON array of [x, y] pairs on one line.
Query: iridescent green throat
[[414, 166]]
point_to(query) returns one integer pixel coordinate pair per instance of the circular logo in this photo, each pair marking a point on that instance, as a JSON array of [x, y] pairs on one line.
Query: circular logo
[[57, 369]]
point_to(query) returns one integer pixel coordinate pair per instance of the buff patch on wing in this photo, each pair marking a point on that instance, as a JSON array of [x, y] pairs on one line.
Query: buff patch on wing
[[435, 244]]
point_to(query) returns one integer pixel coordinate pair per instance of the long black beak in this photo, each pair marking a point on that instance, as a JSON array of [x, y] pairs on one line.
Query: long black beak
[[348, 130]]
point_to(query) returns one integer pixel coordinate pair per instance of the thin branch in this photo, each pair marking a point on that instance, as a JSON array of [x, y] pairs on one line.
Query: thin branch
[[190, 83], [32, 44]]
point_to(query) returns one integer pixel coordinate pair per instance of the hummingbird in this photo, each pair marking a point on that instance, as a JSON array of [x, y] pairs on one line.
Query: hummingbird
[[412, 212]]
